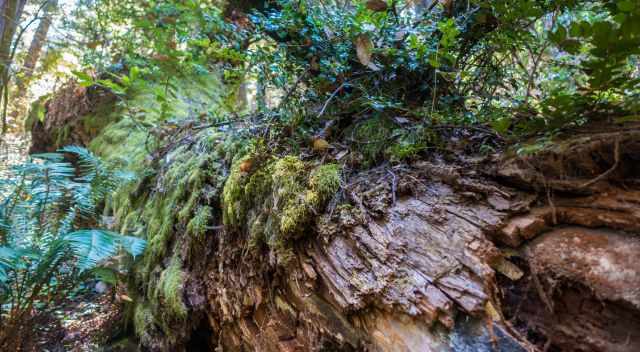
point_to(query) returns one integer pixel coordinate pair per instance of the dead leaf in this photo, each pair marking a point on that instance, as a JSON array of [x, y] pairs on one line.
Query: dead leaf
[[320, 145], [161, 57], [377, 5], [246, 165], [125, 298], [364, 47], [492, 312]]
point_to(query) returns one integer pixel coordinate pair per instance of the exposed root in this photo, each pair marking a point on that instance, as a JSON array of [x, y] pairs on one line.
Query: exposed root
[[606, 173]]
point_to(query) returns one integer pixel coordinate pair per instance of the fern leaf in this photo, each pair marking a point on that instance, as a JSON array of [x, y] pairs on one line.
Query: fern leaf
[[94, 246]]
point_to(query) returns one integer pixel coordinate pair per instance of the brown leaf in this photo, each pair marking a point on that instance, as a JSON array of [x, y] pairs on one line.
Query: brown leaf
[[246, 165], [125, 298], [364, 47], [161, 57], [320, 145], [377, 5]]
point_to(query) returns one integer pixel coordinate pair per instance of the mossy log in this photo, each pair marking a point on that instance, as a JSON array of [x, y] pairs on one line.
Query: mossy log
[[451, 253]]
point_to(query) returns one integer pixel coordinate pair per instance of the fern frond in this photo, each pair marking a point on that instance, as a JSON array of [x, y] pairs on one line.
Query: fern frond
[[93, 246]]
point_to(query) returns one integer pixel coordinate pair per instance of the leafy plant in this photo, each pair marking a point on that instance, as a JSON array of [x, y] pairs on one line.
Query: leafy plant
[[44, 252]]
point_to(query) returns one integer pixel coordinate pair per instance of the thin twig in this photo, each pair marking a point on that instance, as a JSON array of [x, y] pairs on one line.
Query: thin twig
[[326, 103]]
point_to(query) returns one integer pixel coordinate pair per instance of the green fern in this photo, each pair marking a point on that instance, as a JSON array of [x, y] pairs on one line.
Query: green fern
[[43, 252]]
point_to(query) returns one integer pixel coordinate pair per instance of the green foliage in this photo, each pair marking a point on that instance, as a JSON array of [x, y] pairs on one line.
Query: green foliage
[[606, 43], [42, 252], [544, 64], [169, 292]]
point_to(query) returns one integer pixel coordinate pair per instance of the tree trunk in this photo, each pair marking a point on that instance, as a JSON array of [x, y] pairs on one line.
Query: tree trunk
[[455, 252], [39, 39], [3, 4], [11, 14]]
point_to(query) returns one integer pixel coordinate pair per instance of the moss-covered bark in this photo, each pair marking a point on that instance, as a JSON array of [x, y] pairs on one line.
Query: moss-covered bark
[[244, 251]]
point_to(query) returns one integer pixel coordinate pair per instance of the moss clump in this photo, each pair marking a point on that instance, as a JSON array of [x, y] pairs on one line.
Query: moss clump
[[169, 201], [274, 202], [143, 322], [197, 226], [169, 292], [325, 180]]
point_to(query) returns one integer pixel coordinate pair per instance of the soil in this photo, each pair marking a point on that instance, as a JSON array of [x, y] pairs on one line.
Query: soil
[[84, 323]]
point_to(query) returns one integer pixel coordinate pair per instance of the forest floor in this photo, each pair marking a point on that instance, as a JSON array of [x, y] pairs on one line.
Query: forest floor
[[82, 324]]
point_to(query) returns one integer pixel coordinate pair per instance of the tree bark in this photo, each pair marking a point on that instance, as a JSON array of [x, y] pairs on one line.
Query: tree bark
[[39, 39], [455, 252], [12, 11]]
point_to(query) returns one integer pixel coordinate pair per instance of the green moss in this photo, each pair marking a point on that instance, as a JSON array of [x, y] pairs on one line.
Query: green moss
[[169, 291], [325, 180], [167, 201], [274, 202], [143, 321], [197, 226], [233, 194], [94, 123]]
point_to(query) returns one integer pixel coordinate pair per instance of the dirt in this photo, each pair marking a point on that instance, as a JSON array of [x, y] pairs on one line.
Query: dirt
[[84, 323]]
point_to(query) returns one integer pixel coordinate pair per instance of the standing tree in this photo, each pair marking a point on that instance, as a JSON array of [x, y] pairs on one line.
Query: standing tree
[[37, 43]]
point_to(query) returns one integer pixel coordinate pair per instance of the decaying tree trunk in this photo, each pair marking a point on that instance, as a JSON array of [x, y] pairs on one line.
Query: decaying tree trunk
[[454, 253], [518, 254]]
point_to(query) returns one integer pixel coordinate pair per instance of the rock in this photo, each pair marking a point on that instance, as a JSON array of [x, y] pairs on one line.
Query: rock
[[521, 228]]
